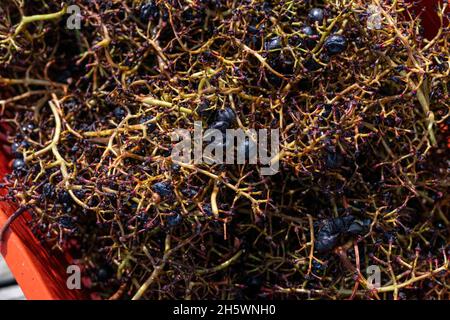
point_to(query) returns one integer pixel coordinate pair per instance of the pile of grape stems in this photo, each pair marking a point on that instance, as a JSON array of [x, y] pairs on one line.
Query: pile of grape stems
[[361, 101]]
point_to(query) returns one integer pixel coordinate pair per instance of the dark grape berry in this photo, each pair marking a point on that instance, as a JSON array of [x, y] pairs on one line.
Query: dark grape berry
[[150, 126], [334, 160], [67, 208], [330, 232], [79, 193], [273, 43], [309, 41], [149, 12], [335, 44], [311, 65], [189, 192], [66, 222], [191, 15], [318, 268], [253, 286], [25, 144], [15, 149], [18, 164], [119, 113], [326, 242], [204, 109], [308, 30], [164, 189], [327, 108], [253, 37], [174, 219], [207, 209], [48, 190], [104, 273], [226, 114], [333, 229], [28, 128], [316, 15], [359, 227], [64, 196], [220, 125]]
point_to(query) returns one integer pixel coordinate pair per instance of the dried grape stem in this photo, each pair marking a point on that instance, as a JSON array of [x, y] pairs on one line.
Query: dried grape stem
[[39, 17], [154, 275], [10, 220], [221, 266]]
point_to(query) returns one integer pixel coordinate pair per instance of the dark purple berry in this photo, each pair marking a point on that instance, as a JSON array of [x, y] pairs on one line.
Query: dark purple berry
[[15, 149], [104, 273], [359, 227], [220, 125], [253, 286], [334, 160], [28, 128], [316, 15], [310, 37], [331, 231], [164, 189], [273, 43], [204, 109], [149, 12], [174, 219], [64, 198], [207, 209], [309, 31], [189, 192], [226, 114], [311, 65], [18, 164], [335, 44], [48, 190], [150, 126], [119, 113], [66, 222]]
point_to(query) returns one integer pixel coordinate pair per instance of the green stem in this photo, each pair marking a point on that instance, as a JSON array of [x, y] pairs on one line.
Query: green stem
[[38, 17], [221, 266]]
